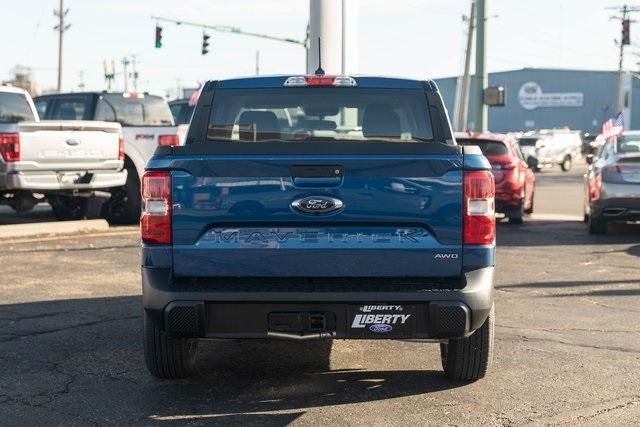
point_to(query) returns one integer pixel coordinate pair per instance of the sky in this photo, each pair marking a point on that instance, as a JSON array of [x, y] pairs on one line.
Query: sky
[[412, 38]]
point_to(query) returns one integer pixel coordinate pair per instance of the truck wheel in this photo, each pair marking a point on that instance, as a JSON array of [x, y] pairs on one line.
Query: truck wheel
[[66, 208], [566, 164], [168, 357], [597, 224], [515, 215], [124, 205], [468, 359]]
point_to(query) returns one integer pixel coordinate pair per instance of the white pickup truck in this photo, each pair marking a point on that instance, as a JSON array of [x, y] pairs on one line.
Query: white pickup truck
[[146, 123], [69, 163]]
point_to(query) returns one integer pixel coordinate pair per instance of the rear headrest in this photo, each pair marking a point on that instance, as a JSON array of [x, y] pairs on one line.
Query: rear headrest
[[263, 125], [380, 121], [66, 113]]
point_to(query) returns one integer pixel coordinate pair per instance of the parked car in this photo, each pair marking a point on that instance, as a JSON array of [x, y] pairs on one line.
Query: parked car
[[181, 111], [515, 181], [146, 123], [361, 218], [612, 183], [65, 162], [547, 148]]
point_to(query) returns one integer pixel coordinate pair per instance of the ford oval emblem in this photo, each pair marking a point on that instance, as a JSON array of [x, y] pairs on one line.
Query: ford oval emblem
[[73, 142], [317, 205], [380, 328]]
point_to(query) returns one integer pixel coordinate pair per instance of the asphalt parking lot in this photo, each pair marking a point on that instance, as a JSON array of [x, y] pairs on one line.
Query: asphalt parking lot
[[568, 341]]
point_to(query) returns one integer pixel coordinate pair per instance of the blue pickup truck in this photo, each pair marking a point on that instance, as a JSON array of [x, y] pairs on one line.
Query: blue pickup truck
[[318, 207]]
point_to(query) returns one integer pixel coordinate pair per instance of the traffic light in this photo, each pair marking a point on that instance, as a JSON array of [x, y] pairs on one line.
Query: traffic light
[[158, 37], [205, 43], [626, 36]]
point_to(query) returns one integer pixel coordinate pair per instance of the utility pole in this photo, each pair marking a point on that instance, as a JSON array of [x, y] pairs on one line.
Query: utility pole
[[257, 62], [109, 73], [624, 11], [125, 65], [480, 110], [61, 28], [134, 73], [463, 112]]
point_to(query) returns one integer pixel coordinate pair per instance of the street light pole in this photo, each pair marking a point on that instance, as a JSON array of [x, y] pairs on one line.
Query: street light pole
[[480, 110], [61, 28], [463, 110]]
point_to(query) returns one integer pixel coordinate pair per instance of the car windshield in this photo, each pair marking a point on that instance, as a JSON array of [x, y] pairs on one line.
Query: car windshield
[[320, 114], [14, 108], [488, 147], [145, 110], [528, 142], [628, 144]]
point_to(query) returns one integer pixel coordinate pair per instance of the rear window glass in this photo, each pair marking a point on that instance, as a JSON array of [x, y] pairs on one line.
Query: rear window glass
[[488, 148], [146, 111], [181, 112], [14, 108], [320, 114], [527, 142], [72, 108], [628, 145]]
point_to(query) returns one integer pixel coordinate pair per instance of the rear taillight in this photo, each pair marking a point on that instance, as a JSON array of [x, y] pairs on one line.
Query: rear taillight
[[155, 223], [479, 208], [166, 140], [10, 147], [504, 166], [595, 186], [121, 148]]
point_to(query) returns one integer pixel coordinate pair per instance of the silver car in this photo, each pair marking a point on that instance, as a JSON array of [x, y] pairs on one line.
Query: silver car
[[612, 183]]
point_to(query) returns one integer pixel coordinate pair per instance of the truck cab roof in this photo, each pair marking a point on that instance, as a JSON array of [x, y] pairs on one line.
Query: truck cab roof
[[276, 81]]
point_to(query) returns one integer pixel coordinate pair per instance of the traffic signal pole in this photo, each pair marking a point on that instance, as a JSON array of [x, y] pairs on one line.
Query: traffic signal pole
[[624, 40]]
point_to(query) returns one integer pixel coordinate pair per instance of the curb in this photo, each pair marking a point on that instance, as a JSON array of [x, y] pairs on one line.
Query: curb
[[53, 228]]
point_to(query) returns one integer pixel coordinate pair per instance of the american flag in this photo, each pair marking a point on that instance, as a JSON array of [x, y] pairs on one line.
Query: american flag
[[613, 127], [193, 100]]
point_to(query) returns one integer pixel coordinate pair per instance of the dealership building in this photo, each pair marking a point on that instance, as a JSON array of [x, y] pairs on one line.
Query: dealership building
[[538, 98]]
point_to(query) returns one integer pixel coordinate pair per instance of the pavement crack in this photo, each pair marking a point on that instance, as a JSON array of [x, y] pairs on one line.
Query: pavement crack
[[623, 331], [14, 337], [34, 316], [572, 344]]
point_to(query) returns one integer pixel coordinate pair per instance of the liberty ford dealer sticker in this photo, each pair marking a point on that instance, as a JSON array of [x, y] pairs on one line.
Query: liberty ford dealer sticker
[[381, 320]]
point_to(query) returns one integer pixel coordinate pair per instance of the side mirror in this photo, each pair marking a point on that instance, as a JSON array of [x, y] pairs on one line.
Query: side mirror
[[590, 159]]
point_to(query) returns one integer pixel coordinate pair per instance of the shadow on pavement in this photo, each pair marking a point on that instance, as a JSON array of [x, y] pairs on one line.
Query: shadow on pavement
[[554, 233], [84, 357], [571, 284]]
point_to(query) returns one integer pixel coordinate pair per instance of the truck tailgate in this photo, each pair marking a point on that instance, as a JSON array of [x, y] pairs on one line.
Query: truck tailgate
[[68, 145], [233, 216]]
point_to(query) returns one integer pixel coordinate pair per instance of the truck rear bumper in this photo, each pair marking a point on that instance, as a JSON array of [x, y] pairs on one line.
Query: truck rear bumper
[[201, 312], [52, 181]]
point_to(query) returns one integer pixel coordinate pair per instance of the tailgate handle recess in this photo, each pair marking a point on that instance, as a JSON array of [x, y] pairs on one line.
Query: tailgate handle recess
[[317, 176]]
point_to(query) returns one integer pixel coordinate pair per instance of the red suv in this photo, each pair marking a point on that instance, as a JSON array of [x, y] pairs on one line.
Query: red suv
[[515, 181]]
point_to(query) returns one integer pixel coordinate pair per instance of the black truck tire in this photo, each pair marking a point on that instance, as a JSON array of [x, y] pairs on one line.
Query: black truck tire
[[124, 205], [468, 359], [597, 224], [168, 357], [566, 164], [67, 208], [516, 215]]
